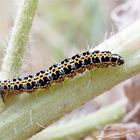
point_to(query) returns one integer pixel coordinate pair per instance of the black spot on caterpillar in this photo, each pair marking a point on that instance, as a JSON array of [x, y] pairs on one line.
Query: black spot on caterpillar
[[69, 67]]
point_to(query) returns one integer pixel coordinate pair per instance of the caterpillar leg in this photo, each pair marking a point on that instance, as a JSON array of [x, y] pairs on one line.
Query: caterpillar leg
[[3, 96]]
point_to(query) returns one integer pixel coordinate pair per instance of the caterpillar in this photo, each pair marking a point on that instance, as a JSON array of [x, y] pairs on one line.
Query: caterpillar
[[69, 67]]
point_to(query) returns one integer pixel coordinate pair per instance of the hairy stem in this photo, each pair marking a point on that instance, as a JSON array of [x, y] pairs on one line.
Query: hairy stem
[[14, 54]]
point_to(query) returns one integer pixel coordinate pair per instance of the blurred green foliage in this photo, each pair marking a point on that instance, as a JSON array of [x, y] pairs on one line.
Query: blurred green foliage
[[81, 21]]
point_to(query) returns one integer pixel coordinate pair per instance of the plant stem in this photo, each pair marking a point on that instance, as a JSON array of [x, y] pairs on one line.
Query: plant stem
[[14, 54], [79, 128]]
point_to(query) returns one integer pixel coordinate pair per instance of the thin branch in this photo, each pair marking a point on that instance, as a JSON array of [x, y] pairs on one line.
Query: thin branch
[[14, 54]]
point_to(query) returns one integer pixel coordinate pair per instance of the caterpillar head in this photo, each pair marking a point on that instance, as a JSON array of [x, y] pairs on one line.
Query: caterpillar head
[[117, 60]]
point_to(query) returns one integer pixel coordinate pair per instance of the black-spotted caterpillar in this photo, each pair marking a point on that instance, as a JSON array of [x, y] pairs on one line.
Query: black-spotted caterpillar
[[57, 72]]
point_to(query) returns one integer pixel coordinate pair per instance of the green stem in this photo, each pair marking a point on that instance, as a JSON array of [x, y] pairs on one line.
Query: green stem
[[14, 54], [21, 119], [79, 128]]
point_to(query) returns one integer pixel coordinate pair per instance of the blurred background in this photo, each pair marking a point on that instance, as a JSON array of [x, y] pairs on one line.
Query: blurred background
[[62, 28]]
